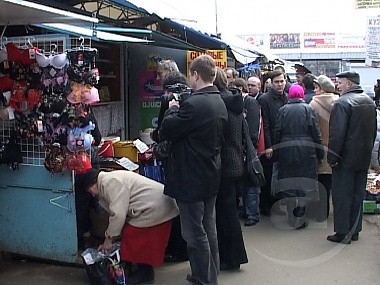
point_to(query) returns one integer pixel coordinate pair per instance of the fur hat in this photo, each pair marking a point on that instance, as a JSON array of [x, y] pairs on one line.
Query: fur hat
[[325, 83], [296, 91]]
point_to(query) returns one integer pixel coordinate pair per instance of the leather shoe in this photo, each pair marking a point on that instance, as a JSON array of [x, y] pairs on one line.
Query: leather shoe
[[355, 237], [190, 278], [304, 225], [339, 238], [250, 223]]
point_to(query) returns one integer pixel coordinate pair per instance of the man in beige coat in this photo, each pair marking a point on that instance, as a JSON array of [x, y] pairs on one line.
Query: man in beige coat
[[323, 103]]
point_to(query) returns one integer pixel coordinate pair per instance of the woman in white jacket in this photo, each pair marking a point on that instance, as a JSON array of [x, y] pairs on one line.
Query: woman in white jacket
[[323, 102], [139, 212]]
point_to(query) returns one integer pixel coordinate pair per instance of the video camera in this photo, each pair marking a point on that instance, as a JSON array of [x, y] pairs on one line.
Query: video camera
[[180, 91]]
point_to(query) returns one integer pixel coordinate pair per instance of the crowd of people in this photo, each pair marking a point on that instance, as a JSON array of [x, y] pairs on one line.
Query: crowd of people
[[312, 142]]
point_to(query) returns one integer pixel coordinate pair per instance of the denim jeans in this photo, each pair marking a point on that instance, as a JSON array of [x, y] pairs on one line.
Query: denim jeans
[[251, 201], [198, 222]]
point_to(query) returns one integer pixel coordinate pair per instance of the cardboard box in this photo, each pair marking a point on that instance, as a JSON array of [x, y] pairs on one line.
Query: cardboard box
[[370, 207], [126, 149]]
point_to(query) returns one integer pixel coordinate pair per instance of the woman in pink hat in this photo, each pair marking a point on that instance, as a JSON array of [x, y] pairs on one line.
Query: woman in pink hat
[[297, 139]]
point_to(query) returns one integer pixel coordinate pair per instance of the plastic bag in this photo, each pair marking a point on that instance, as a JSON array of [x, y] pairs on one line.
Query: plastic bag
[[96, 265], [155, 172], [104, 269]]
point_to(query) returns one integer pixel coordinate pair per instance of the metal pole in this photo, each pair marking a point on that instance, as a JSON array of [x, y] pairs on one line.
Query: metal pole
[[216, 18]]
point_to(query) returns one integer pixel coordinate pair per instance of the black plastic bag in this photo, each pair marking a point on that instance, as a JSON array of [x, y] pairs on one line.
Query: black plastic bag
[[98, 273], [96, 266]]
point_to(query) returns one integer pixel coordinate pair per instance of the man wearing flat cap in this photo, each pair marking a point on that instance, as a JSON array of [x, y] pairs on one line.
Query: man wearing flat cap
[[352, 131], [301, 71]]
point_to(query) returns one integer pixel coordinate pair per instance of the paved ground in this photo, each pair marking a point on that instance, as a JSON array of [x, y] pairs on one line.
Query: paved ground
[[276, 256]]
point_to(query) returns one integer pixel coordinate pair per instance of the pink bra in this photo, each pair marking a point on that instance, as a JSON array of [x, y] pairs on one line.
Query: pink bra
[[58, 60], [83, 93]]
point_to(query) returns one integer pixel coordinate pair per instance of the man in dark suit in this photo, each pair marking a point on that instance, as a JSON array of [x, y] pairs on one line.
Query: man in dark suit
[[270, 103], [353, 129], [196, 129]]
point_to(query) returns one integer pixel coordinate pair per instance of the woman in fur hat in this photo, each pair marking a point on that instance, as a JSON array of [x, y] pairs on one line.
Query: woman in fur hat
[[323, 102]]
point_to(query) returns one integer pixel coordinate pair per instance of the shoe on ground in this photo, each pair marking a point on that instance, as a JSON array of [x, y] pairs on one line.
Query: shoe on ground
[[339, 238], [304, 225], [143, 275], [225, 266], [190, 278], [355, 237], [250, 223]]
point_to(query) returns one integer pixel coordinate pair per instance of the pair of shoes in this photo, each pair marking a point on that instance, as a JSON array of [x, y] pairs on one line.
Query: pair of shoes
[[143, 275], [250, 223], [225, 266], [355, 237], [304, 225], [339, 238]]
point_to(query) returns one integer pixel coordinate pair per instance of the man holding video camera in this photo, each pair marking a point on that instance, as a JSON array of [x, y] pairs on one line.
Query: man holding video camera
[[196, 130]]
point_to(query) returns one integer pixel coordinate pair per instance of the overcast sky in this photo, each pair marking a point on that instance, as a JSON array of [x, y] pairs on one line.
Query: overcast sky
[[258, 16]]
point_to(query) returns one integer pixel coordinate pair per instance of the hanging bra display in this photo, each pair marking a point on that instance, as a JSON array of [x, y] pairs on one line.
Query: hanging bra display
[[58, 61], [82, 66], [50, 94]]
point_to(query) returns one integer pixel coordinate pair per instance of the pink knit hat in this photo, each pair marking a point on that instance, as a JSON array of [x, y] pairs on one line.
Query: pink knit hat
[[296, 91]]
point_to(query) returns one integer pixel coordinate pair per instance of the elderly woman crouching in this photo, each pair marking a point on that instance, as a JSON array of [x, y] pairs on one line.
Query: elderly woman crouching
[[139, 212]]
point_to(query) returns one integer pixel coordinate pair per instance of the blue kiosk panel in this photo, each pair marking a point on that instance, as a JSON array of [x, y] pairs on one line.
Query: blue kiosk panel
[[37, 213]]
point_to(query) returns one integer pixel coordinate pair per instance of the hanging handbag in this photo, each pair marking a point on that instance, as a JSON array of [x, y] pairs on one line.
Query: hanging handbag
[[253, 169]]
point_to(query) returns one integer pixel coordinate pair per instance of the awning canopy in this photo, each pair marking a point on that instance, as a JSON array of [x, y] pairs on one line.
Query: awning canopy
[[14, 12], [156, 38], [90, 32]]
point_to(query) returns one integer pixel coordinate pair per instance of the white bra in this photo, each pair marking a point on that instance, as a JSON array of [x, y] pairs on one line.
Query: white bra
[[3, 55], [57, 60]]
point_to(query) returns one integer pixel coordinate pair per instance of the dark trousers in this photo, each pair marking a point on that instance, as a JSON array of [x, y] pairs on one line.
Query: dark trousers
[[266, 199], [230, 238], [348, 189], [177, 246], [198, 223], [323, 205], [82, 206]]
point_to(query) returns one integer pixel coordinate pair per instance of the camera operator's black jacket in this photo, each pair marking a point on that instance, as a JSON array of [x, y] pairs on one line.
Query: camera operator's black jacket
[[165, 98], [196, 130]]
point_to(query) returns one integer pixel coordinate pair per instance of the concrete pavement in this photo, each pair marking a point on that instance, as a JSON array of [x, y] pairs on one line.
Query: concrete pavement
[[276, 256]]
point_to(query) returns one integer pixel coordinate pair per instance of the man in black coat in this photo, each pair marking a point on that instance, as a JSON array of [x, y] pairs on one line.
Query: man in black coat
[[353, 130], [196, 130], [270, 103]]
